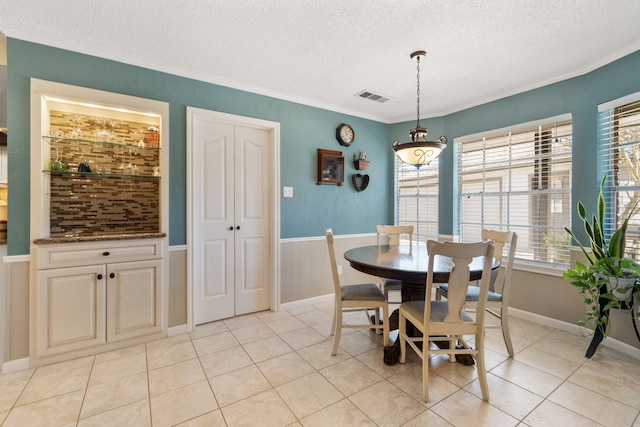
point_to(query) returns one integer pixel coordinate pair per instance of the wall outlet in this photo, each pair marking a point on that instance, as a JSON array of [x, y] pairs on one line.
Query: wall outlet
[[339, 270], [287, 192]]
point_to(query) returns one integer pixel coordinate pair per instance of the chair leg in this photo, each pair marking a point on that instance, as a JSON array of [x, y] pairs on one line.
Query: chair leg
[[377, 320], [504, 321], [333, 323], [482, 373], [385, 325], [453, 341], [425, 370], [402, 331], [337, 330]]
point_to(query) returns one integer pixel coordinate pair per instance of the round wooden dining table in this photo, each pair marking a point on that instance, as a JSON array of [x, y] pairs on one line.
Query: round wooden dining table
[[408, 263]]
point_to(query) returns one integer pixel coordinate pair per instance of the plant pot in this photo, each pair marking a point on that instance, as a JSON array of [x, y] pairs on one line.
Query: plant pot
[[621, 287]]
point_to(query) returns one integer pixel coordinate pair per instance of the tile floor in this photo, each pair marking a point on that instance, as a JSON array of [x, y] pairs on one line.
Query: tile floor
[[275, 369]]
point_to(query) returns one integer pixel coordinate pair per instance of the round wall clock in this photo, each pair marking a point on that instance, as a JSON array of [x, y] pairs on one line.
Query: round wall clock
[[345, 134]]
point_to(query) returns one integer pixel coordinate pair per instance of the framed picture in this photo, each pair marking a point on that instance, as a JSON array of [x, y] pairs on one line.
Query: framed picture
[[330, 167]]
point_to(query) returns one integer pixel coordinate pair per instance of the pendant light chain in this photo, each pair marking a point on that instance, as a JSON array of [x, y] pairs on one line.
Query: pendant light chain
[[418, 93]]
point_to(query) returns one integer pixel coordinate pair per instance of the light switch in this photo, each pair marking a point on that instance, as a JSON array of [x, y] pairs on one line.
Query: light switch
[[287, 192]]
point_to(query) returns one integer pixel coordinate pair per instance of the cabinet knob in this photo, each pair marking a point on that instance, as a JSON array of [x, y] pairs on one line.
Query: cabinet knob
[[99, 276], [231, 228], [112, 275], [238, 228], [105, 253]]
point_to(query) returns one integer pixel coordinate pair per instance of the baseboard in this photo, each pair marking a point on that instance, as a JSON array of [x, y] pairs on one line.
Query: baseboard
[[575, 329], [300, 303], [15, 365], [178, 330]]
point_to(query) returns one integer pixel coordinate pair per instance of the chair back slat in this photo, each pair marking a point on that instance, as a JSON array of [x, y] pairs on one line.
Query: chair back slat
[[393, 233], [461, 255]]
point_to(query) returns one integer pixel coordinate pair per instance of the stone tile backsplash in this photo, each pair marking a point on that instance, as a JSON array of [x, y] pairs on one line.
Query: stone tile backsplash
[[109, 200]]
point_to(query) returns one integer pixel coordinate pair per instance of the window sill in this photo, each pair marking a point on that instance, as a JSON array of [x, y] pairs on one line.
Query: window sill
[[555, 270]]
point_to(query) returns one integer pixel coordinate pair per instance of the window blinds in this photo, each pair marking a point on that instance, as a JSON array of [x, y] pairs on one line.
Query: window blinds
[[417, 199], [518, 180], [619, 158]]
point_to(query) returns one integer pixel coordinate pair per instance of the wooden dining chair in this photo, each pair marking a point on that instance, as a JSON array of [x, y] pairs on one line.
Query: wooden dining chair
[[393, 235], [499, 287], [359, 297], [446, 320]]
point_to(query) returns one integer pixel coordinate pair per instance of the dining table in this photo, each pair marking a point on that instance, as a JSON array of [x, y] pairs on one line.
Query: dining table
[[409, 264]]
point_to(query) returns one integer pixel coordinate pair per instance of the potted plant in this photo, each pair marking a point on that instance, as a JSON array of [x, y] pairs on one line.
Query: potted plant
[[609, 281]]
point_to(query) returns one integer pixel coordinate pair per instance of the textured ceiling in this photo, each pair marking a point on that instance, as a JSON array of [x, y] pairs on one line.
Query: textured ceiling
[[323, 52]]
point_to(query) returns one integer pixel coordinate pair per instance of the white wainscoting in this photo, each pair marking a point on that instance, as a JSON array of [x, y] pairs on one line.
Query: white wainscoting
[[304, 266]]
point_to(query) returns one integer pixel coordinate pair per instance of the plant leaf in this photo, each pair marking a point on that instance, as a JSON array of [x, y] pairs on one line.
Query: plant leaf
[[618, 241], [582, 213], [602, 205]]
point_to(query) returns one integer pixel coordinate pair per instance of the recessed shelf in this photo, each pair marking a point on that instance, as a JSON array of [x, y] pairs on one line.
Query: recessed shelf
[[75, 174], [54, 139]]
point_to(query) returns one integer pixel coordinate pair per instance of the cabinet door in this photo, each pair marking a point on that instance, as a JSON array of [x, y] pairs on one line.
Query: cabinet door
[[133, 299], [70, 312]]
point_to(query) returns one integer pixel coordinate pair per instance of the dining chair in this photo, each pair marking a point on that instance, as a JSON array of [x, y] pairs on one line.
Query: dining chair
[[446, 320], [393, 234], [358, 297], [499, 287]]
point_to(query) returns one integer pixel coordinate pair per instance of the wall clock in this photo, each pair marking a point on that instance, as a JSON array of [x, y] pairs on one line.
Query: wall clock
[[345, 134]]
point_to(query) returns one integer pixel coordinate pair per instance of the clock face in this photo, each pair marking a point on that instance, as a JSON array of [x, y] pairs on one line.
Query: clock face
[[345, 134]]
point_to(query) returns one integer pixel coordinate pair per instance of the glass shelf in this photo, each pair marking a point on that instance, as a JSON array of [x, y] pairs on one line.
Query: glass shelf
[[76, 174], [54, 139]]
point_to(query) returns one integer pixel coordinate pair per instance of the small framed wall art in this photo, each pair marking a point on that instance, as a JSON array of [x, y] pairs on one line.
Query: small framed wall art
[[330, 167]]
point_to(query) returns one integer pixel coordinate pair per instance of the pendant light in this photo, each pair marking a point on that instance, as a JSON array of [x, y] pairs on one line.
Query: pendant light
[[419, 151]]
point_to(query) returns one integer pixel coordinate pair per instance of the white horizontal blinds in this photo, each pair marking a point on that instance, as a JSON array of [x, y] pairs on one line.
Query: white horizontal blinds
[[423, 216], [519, 180], [619, 155]]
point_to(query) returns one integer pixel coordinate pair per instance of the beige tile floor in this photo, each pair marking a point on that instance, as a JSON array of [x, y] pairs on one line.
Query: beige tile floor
[[275, 369]]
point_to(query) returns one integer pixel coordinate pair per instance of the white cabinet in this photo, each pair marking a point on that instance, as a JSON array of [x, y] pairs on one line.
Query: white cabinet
[[101, 300], [99, 216]]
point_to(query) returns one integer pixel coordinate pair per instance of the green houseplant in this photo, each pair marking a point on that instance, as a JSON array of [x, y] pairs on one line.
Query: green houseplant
[[610, 279]]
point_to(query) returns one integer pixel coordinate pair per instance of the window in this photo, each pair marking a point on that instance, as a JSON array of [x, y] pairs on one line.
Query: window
[[518, 179], [619, 156], [417, 197]]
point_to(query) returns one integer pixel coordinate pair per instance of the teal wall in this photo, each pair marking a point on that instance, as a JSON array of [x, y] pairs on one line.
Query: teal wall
[[579, 96], [303, 130]]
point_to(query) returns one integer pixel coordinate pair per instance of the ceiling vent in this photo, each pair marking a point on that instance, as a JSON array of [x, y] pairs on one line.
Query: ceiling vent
[[367, 94]]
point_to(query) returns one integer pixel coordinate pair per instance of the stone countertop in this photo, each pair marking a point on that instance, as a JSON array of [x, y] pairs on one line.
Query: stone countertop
[[97, 238]]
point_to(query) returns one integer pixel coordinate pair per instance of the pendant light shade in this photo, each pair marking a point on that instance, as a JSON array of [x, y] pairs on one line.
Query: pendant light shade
[[419, 151]]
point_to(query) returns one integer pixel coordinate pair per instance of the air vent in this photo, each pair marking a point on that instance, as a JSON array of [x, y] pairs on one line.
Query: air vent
[[367, 94]]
